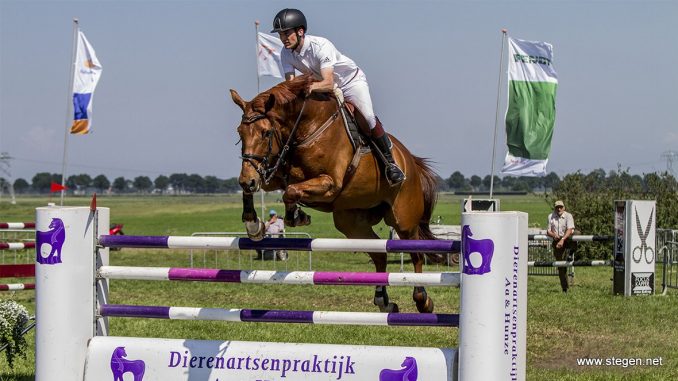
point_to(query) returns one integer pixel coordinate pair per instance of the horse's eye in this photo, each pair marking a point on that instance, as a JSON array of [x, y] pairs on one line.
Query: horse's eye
[[267, 134]]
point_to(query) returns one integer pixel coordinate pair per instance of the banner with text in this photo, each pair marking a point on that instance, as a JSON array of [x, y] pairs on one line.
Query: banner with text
[[531, 111]]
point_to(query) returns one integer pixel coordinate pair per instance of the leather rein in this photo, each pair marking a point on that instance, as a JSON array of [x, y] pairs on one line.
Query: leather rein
[[264, 164]]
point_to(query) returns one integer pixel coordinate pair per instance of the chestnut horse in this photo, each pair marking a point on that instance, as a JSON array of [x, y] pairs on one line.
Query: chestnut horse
[[299, 144]]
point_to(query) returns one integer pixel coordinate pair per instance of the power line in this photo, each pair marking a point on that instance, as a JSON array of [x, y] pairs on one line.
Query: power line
[[5, 167], [670, 157]]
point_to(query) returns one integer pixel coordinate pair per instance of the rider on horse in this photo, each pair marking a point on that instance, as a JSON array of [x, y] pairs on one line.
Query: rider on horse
[[318, 56]]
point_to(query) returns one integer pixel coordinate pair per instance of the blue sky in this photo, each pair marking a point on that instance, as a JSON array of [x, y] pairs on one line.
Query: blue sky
[[162, 104]]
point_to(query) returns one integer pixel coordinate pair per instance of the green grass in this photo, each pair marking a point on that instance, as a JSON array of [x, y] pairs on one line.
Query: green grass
[[587, 322]]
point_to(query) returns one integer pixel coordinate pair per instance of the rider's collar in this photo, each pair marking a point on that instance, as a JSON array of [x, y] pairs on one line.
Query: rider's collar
[[304, 46]]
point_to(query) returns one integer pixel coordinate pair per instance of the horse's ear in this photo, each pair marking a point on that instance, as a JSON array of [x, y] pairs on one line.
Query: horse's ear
[[237, 99], [270, 102]]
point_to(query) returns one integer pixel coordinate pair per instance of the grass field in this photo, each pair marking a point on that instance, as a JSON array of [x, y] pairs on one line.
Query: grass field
[[588, 322]]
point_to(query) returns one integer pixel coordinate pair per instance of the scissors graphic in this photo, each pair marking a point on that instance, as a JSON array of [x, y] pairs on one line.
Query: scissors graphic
[[643, 248]]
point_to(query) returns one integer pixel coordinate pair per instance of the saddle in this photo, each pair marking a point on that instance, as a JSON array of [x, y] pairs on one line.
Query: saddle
[[356, 126], [358, 132]]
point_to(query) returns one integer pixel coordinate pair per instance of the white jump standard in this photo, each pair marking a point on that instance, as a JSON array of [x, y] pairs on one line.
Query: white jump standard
[[72, 304]]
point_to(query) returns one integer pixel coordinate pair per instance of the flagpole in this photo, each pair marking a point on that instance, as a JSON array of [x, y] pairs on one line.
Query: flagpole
[[256, 36], [69, 105], [256, 51], [496, 114]]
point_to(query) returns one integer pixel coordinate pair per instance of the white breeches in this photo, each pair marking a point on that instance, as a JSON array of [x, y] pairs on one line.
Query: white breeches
[[358, 93]]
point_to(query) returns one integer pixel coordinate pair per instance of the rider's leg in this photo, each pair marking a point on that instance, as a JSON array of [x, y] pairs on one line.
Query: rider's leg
[[380, 139], [358, 93]]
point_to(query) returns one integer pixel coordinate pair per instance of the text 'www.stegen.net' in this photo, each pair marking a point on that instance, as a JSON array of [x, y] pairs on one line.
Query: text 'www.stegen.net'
[[621, 361]]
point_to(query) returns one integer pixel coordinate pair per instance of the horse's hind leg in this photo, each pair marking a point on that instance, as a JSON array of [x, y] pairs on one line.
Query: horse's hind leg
[[419, 295], [358, 224], [407, 227]]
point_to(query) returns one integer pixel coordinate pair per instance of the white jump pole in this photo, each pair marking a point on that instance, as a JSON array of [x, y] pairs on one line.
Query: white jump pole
[[65, 289], [493, 312]]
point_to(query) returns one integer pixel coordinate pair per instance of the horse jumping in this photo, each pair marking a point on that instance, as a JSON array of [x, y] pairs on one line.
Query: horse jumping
[[298, 144]]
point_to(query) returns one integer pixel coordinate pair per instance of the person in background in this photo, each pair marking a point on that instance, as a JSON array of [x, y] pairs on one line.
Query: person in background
[[561, 228], [274, 226]]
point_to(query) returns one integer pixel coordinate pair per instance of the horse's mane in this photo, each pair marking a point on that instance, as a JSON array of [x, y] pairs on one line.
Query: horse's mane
[[284, 92]]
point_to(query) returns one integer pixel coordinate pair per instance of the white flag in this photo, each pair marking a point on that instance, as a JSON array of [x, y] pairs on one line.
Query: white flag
[[268, 55], [85, 78]]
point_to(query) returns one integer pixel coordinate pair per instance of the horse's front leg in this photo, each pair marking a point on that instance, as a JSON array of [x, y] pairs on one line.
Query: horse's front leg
[[253, 225], [421, 299], [321, 189]]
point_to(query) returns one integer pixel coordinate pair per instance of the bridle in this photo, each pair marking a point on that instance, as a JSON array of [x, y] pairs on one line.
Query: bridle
[[262, 164]]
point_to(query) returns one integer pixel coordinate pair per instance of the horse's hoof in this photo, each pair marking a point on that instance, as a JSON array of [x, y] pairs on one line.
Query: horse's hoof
[[303, 219], [427, 307], [255, 230], [297, 218], [391, 307], [291, 218]]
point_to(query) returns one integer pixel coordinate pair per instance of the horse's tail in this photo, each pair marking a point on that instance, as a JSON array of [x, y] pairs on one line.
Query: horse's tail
[[429, 188]]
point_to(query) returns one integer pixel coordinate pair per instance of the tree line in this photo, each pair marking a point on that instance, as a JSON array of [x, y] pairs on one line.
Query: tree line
[[181, 183], [458, 182], [177, 183]]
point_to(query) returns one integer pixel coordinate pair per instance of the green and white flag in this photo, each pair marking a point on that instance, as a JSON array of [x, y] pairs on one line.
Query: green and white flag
[[531, 110]]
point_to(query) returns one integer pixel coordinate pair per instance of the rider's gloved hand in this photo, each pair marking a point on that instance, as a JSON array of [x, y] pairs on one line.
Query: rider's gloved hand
[[339, 94]]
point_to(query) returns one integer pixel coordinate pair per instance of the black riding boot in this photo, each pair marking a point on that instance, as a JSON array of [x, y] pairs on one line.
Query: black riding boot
[[394, 175]]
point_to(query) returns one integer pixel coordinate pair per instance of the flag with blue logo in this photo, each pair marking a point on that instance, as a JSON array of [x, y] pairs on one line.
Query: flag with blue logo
[[85, 78], [531, 111]]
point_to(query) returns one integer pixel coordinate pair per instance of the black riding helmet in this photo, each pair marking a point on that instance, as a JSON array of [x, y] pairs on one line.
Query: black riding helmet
[[287, 19]]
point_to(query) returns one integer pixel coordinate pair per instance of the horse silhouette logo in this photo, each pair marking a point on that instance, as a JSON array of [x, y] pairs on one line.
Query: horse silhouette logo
[[120, 365], [484, 247], [407, 373], [55, 237]]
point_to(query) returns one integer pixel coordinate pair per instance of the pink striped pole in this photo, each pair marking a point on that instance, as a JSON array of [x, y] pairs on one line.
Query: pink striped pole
[[17, 286], [17, 225], [17, 245]]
